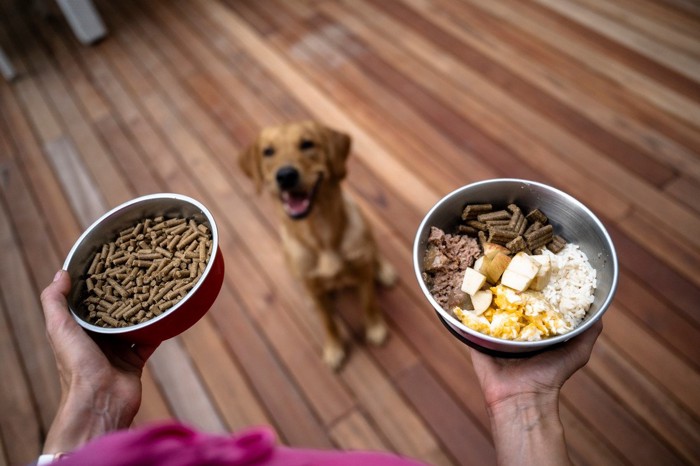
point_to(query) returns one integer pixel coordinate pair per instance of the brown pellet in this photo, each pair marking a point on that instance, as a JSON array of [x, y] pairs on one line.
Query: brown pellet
[[536, 215], [473, 210], [498, 215]]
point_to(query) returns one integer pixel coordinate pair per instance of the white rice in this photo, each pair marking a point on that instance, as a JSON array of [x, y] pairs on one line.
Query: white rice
[[571, 286]]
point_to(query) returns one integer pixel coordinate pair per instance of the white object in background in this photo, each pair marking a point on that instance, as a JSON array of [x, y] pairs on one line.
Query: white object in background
[[6, 67], [84, 19]]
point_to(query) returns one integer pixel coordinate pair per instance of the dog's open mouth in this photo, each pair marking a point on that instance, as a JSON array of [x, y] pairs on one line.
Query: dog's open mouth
[[298, 203]]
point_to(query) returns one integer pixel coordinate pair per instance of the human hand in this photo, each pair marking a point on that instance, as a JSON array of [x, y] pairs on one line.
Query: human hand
[[100, 377], [522, 397], [502, 379]]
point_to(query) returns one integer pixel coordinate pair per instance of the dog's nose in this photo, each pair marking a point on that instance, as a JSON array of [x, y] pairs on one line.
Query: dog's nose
[[287, 177]]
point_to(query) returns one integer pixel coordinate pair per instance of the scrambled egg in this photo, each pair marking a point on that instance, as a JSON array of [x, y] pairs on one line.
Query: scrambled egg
[[516, 315]]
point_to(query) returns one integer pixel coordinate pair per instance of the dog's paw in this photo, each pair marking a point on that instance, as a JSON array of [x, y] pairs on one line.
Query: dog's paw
[[333, 356], [386, 274], [376, 333]]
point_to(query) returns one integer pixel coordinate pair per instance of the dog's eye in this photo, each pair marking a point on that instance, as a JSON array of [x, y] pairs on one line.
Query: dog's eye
[[306, 144], [269, 151]]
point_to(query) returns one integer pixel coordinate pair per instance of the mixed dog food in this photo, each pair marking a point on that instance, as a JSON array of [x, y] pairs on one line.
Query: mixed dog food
[[507, 274], [145, 271]]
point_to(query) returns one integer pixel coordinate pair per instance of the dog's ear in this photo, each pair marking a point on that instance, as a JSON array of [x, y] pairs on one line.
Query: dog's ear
[[339, 149], [249, 161]]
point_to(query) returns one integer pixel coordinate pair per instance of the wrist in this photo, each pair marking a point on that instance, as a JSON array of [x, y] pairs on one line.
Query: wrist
[[86, 413], [526, 405], [527, 430]]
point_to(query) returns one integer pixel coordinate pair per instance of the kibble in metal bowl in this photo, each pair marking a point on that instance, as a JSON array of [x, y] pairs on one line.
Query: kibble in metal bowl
[[147, 270]]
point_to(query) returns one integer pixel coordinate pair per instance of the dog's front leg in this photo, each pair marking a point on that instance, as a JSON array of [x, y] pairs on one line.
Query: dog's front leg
[[333, 350], [375, 327]]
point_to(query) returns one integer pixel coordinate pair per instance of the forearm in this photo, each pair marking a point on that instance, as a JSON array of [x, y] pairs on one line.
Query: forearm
[[527, 430], [85, 414]]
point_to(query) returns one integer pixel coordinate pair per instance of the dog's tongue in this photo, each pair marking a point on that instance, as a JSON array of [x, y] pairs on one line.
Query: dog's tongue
[[295, 204]]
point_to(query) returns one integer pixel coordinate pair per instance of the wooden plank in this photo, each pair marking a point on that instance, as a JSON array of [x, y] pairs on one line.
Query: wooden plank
[[402, 427], [669, 420], [446, 38], [355, 432], [649, 27], [685, 190], [375, 106], [659, 362], [3, 456], [587, 445], [656, 51], [93, 103], [296, 424], [644, 79], [62, 228], [19, 294], [650, 197], [461, 436], [666, 246], [84, 194], [20, 428], [665, 14], [393, 174], [590, 402], [153, 406], [225, 380], [143, 177], [96, 158], [647, 306], [181, 385], [532, 154], [668, 284], [575, 84], [686, 6]]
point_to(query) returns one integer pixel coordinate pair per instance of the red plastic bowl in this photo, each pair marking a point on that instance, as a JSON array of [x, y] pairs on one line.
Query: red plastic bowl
[[189, 309]]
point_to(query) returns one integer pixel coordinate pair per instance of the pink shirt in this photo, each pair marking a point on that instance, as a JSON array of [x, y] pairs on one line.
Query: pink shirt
[[174, 444]]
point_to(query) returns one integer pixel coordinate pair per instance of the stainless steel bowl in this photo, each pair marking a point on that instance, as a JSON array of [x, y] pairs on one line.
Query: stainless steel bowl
[[190, 308], [570, 218]]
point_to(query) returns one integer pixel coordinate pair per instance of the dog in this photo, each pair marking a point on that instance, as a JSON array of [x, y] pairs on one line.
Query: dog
[[327, 241]]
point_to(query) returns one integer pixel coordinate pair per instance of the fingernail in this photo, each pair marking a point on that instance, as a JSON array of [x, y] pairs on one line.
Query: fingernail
[[58, 275]]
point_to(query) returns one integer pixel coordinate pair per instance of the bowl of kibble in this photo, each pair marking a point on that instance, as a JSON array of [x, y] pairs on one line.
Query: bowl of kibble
[[147, 270], [512, 267]]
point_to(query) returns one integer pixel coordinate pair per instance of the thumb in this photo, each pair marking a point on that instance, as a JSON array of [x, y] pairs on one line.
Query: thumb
[[53, 299]]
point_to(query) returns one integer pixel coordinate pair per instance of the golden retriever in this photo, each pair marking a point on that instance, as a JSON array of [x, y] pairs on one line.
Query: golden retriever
[[327, 241]]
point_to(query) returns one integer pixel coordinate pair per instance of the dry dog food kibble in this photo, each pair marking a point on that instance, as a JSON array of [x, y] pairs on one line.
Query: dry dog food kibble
[[506, 274], [145, 271]]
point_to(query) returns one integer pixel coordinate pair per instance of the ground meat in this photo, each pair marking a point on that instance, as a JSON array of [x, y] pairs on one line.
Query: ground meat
[[447, 256]]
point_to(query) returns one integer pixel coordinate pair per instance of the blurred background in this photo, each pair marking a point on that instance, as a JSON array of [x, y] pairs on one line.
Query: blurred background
[[105, 101]]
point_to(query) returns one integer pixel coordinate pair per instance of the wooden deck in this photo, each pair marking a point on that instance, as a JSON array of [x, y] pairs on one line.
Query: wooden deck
[[599, 98]]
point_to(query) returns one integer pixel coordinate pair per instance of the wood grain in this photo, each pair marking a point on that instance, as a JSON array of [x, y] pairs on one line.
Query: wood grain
[[600, 99]]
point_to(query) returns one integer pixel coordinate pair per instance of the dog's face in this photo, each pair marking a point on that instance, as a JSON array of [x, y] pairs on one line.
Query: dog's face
[[295, 161]]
